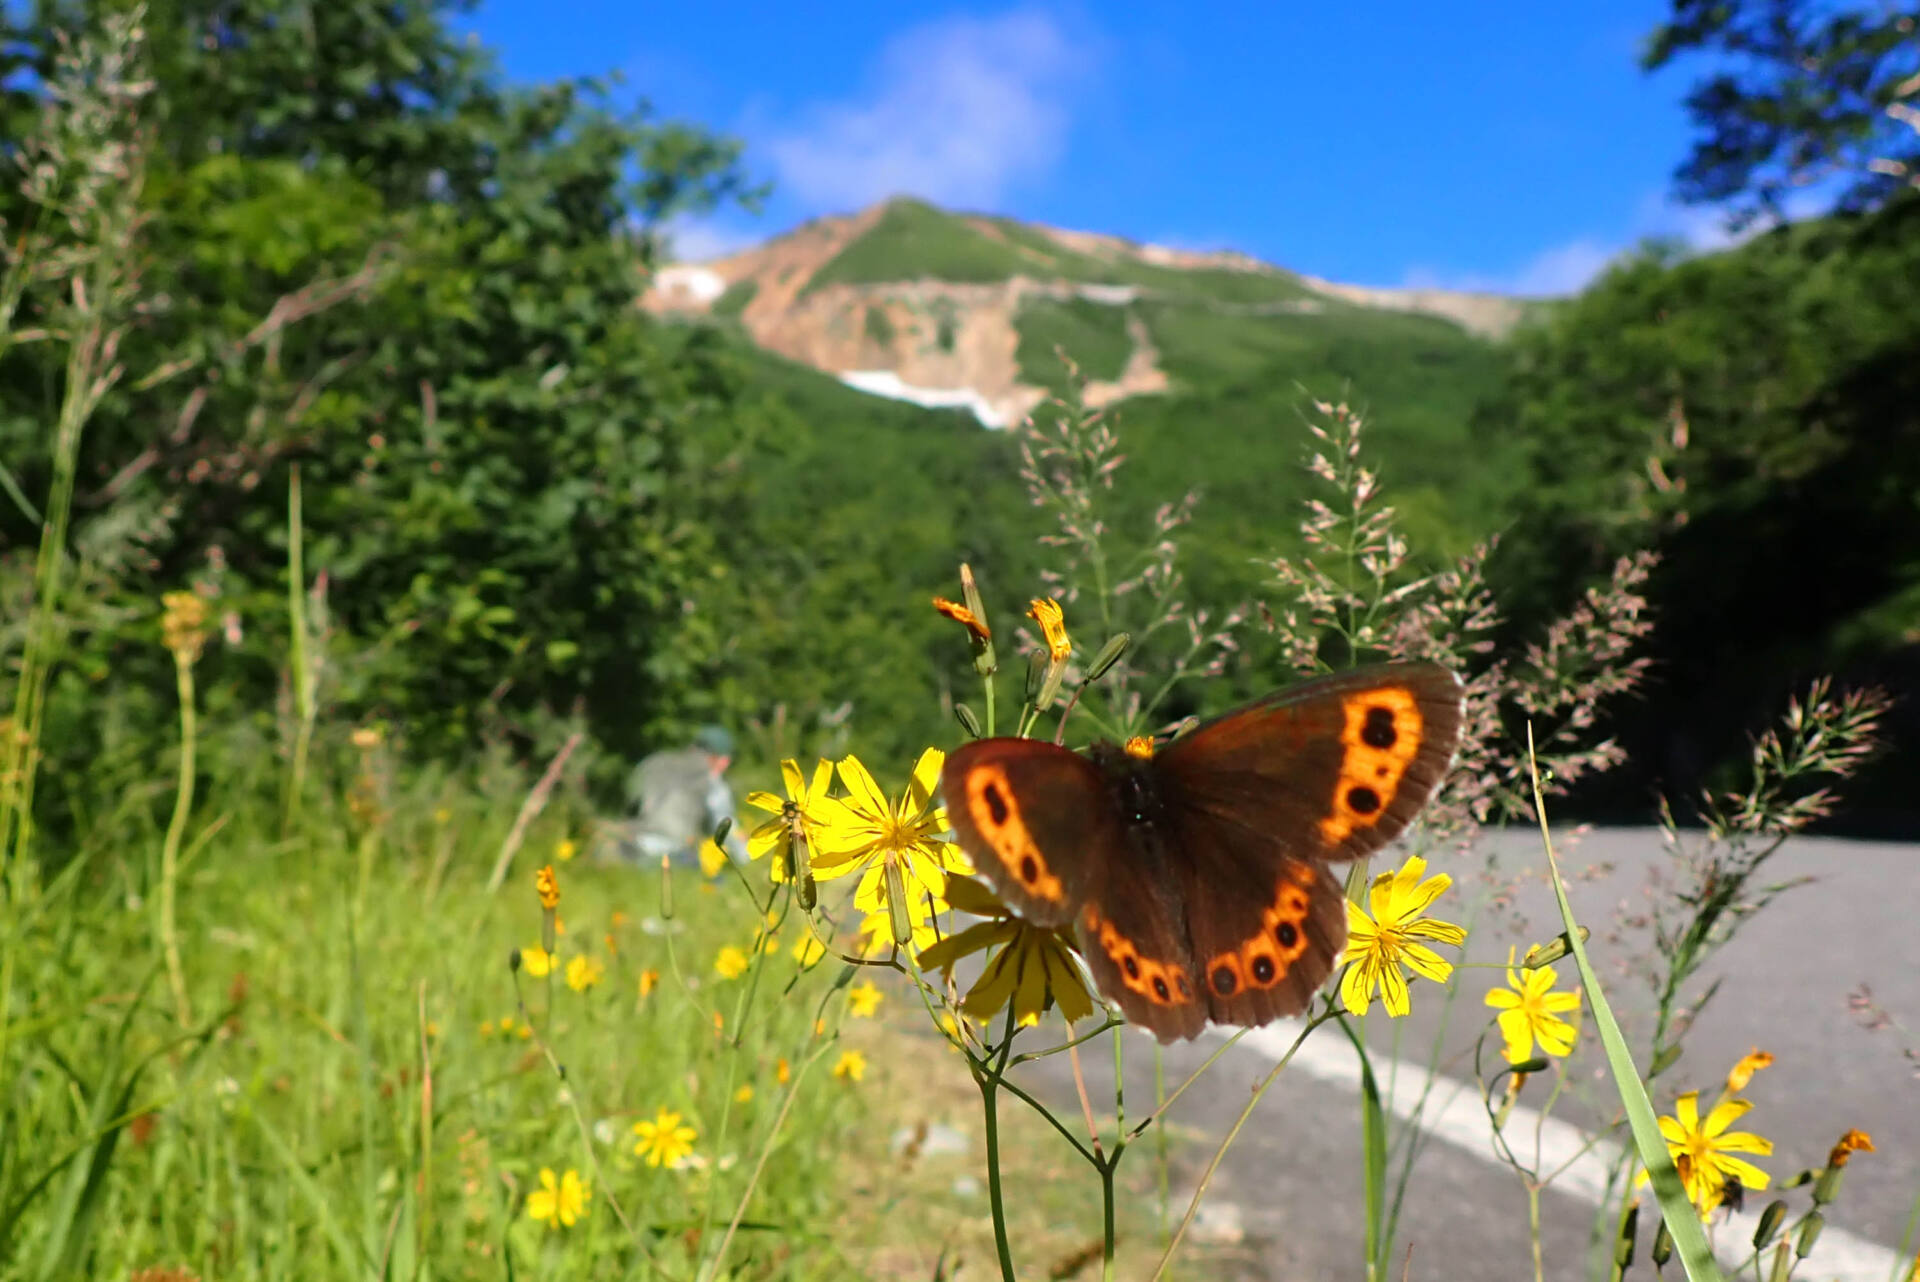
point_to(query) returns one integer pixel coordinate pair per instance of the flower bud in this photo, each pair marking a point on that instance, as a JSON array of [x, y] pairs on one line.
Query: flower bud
[[1534, 1065], [1769, 1224], [1827, 1187], [1551, 951], [1662, 1246], [984, 661], [1623, 1244], [720, 831], [1036, 675], [968, 722], [1809, 1234], [1782, 1264], [1050, 687], [1109, 655]]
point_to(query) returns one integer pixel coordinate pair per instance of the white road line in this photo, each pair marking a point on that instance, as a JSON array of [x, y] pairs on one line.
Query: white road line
[[1454, 1113]]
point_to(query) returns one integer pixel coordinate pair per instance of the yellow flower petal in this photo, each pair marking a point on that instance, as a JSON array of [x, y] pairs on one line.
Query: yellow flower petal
[[864, 795]]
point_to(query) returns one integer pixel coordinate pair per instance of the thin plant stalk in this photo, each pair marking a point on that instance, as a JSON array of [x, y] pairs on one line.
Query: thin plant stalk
[[304, 707], [176, 832]]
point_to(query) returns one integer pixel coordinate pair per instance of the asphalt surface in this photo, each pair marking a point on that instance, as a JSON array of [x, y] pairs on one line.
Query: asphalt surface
[[1291, 1185]]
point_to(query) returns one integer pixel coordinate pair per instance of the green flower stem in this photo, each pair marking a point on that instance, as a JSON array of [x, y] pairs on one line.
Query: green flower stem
[[176, 830], [306, 710], [989, 1082]]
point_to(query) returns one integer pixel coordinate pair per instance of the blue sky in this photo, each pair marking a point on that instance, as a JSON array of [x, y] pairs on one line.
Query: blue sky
[[1486, 145]]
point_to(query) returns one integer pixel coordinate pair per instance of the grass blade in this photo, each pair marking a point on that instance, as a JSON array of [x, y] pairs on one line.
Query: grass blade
[[1689, 1238]]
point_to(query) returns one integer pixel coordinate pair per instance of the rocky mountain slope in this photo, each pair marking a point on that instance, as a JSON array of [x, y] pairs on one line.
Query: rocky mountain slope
[[913, 302]]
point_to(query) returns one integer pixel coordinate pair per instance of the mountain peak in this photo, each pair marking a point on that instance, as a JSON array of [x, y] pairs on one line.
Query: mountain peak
[[927, 304]]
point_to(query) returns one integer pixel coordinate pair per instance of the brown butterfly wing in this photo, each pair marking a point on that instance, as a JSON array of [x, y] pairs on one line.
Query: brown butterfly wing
[[1339, 765], [1043, 827], [1260, 799], [1132, 929], [1265, 925], [1033, 817]]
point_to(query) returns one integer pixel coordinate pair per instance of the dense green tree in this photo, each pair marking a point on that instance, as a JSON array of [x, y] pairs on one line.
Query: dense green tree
[[1799, 92], [1753, 416], [366, 255]]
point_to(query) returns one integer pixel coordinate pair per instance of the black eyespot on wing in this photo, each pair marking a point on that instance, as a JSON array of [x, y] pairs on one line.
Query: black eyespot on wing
[[1029, 870], [1263, 968], [1160, 989], [997, 804], [1363, 800], [1132, 966], [1287, 934], [1378, 732], [1225, 981]]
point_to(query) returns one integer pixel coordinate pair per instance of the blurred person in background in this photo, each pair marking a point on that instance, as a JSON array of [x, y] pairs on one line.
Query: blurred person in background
[[680, 796]]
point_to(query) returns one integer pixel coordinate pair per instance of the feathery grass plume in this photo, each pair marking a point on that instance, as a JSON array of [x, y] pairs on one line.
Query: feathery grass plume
[[1353, 595], [1068, 463], [1708, 890]]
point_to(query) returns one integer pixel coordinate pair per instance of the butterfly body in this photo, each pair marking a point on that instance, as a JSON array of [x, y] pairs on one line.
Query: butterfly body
[[1197, 879]]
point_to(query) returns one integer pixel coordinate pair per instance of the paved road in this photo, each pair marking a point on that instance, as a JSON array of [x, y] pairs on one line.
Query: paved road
[[1293, 1181]]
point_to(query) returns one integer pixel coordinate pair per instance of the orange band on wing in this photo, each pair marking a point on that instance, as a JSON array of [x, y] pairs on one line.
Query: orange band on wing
[[991, 805], [1162, 983], [1380, 739], [1264, 960]]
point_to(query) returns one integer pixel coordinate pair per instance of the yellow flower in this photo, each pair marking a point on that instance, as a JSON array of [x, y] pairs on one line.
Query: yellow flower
[[1033, 967], [538, 961], [1379, 944], [1750, 1063], [664, 1141], [863, 999], [712, 858], [871, 836], [771, 944], [1852, 1142], [1700, 1149], [1530, 1011], [442, 816], [964, 617], [743, 1095], [561, 1201], [547, 886], [565, 850], [649, 980], [183, 624], [808, 949], [804, 810], [731, 963], [1047, 613], [782, 1071], [486, 1028], [851, 1066], [583, 973]]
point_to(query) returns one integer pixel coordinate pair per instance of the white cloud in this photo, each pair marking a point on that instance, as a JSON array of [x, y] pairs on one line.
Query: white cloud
[[1571, 266], [958, 111], [701, 240]]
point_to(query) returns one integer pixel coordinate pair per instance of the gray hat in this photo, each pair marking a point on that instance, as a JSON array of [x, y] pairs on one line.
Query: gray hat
[[714, 740]]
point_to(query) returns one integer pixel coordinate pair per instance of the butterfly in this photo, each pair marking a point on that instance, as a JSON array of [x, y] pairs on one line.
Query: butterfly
[[1198, 878]]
